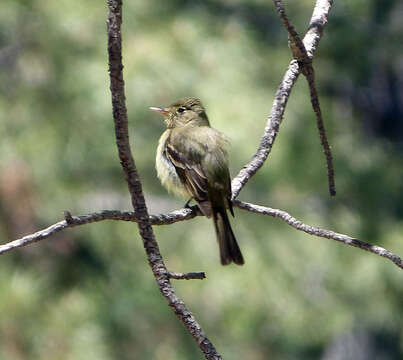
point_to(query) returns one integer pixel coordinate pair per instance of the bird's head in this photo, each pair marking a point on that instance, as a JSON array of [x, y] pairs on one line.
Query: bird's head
[[187, 111]]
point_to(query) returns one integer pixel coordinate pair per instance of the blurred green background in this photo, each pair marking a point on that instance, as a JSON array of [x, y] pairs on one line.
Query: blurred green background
[[87, 293]]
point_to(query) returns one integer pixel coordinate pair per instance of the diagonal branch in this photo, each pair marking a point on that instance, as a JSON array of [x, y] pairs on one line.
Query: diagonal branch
[[311, 41], [122, 140], [31, 238], [296, 45], [305, 62], [310, 77], [313, 230], [270, 131], [140, 213], [73, 221]]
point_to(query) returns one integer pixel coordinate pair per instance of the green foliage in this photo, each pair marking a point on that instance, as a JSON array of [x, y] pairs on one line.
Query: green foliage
[[87, 293]]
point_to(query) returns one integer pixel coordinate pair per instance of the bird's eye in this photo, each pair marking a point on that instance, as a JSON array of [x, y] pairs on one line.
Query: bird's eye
[[181, 110]]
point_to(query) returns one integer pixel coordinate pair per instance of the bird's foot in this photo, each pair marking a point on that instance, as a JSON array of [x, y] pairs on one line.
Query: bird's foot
[[187, 206]]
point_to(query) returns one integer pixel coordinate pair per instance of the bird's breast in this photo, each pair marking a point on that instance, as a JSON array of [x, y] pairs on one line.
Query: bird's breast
[[166, 171]]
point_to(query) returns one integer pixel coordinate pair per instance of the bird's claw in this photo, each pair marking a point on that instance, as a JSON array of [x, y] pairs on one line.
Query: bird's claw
[[187, 206]]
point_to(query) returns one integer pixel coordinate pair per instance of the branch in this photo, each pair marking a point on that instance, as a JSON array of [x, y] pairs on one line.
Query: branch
[[305, 62], [122, 140], [31, 238], [187, 276], [311, 42], [328, 234], [72, 221], [190, 213], [296, 45], [270, 131], [140, 213], [310, 77]]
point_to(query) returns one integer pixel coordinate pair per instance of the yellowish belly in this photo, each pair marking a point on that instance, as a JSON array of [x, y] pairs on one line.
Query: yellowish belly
[[166, 171]]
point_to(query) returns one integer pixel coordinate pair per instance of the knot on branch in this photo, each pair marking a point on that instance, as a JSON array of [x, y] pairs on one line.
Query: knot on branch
[[68, 217]]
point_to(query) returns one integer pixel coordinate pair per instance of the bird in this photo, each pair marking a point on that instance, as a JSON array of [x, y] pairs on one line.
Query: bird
[[192, 162]]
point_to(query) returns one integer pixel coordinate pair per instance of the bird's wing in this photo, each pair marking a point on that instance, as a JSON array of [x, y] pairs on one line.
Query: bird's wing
[[201, 163], [190, 172]]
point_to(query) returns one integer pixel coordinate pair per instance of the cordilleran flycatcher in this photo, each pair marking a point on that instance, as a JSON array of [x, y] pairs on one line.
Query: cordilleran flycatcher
[[192, 162]]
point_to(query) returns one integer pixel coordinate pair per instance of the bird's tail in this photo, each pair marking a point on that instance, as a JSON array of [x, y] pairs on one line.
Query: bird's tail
[[229, 249]]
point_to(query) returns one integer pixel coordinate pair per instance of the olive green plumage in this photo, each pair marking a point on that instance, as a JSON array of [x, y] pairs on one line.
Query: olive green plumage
[[192, 162]]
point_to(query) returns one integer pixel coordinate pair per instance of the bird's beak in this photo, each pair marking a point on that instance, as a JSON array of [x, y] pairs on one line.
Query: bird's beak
[[162, 111]]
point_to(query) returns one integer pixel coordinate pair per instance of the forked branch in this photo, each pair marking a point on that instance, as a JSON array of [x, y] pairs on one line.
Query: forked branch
[[303, 53], [190, 213], [311, 41], [155, 260], [305, 62]]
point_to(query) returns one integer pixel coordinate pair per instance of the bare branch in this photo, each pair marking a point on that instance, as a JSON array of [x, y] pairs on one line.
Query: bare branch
[[316, 25], [311, 42], [29, 239], [328, 234], [310, 77], [140, 215], [72, 221], [300, 54], [122, 140], [296, 45], [270, 131], [190, 213], [305, 62], [187, 276]]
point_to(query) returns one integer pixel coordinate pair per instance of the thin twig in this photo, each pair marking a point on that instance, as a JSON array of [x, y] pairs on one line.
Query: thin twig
[[122, 140], [296, 45], [140, 215], [313, 230], [300, 54], [310, 77], [187, 276], [311, 41]]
